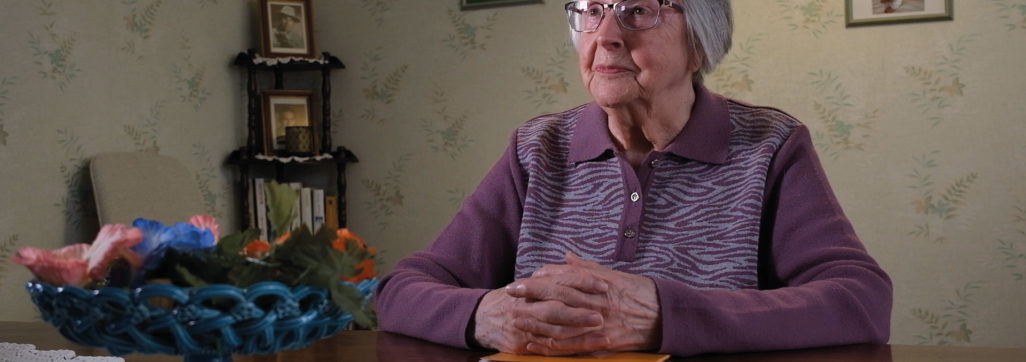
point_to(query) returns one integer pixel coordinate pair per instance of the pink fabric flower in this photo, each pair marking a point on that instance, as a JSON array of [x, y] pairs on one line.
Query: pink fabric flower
[[80, 264], [58, 267], [207, 222], [111, 242]]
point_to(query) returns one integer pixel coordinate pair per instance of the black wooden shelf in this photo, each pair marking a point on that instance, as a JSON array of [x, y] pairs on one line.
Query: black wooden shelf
[[245, 158]]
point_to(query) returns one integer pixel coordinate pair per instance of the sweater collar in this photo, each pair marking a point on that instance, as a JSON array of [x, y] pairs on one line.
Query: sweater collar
[[704, 137]]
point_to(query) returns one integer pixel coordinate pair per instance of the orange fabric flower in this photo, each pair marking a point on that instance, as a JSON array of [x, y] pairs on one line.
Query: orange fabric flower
[[257, 249], [366, 272], [345, 235], [283, 238]]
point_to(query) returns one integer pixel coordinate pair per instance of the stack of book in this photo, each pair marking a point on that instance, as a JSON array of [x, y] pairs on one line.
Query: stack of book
[[312, 208]]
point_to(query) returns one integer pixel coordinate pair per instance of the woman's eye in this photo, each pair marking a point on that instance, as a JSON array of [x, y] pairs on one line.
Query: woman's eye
[[638, 11]]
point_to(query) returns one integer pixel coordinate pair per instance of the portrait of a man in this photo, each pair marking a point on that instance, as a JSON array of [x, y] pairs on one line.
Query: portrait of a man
[[288, 27]]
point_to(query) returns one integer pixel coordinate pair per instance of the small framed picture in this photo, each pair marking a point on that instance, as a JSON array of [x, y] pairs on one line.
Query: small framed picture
[[872, 12], [286, 28], [285, 110], [482, 4]]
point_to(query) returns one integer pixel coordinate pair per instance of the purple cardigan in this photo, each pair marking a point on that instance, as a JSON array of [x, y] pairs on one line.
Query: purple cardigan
[[735, 222]]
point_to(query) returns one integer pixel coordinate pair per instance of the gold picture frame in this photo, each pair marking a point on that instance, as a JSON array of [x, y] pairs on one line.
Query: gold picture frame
[[286, 29], [874, 12]]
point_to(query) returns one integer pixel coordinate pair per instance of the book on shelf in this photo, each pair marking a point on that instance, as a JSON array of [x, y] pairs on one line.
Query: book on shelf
[[251, 201], [331, 212], [297, 217], [317, 209], [260, 207], [306, 207], [311, 207]]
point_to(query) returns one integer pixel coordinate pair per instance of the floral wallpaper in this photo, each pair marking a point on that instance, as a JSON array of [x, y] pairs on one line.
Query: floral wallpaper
[[4, 84], [131, 75], [918, 124]]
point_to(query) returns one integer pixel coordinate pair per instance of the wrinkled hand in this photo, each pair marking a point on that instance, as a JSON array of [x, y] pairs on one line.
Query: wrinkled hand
[[498, 313], [627, 303]]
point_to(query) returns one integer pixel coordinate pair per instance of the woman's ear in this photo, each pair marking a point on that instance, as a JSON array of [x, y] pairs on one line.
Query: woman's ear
[[697, 63], [695, 59]]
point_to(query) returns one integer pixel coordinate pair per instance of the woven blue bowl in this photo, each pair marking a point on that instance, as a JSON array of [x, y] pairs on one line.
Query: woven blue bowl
[[202, 323]]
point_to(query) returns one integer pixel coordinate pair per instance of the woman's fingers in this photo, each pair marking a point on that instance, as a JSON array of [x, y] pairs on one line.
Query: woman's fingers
[[555, 320], [581, 306], [570, 287], [555, 331], [586, 343], [492, 327]]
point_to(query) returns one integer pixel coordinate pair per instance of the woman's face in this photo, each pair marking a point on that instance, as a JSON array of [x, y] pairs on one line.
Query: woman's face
[[620, 66]]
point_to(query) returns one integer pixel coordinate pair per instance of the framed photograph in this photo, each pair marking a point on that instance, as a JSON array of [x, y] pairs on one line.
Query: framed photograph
[[285, 109], [286, 28], [482, 4], [872, 12]]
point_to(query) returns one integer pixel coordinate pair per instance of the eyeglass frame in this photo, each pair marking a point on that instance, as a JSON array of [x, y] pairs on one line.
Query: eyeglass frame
[[566, 7]]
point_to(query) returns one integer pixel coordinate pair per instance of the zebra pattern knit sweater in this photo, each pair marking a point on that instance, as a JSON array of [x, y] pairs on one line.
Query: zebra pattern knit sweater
[[734, 221]]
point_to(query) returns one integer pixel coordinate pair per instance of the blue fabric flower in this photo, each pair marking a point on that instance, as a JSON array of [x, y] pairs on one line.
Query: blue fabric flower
[[157, 238]]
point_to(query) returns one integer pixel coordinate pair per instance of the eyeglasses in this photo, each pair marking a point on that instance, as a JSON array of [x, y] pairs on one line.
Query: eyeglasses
[[585, 16]]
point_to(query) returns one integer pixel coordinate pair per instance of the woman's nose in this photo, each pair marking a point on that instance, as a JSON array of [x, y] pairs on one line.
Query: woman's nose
[[609, 33]]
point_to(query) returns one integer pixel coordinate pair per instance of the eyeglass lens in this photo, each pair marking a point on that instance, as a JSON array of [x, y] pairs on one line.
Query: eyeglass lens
[[632, 14]]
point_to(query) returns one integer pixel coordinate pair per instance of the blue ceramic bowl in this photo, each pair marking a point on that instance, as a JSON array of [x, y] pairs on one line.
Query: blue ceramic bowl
[[208, 322]]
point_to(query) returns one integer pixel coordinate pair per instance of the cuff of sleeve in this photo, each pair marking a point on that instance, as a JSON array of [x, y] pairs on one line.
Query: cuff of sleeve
[[471, 343], [673, 306], [469, 299]]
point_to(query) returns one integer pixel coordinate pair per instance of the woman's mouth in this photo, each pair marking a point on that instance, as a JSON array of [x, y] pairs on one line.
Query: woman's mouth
[[610, 69]]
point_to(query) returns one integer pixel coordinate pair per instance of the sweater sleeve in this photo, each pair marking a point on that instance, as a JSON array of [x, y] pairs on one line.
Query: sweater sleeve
[[818, 285], [433, 294]]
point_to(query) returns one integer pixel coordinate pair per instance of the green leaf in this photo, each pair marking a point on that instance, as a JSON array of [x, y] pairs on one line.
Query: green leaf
[[191, 278], [313, 260], [193, 267], [234, 243], [249, 272], [305, 258], [280, 203], [349, 299]]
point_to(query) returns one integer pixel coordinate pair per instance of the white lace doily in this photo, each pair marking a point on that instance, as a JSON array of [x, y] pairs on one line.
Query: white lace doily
[[322, 156], [14, 352], [283, 60]]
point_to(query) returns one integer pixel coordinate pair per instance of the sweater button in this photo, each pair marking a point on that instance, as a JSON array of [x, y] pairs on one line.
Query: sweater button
[[630, 233]]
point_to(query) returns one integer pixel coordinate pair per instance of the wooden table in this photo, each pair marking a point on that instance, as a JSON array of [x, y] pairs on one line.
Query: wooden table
[[382, 346]]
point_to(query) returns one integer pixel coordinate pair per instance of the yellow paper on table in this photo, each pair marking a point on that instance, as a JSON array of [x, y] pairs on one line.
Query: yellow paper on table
[[612, 357]]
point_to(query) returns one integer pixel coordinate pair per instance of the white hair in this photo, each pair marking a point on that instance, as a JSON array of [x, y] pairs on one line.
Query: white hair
[[709, 30]]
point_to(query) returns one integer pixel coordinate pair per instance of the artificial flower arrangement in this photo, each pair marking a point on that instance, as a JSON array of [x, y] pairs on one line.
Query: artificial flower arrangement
[[194, 254]]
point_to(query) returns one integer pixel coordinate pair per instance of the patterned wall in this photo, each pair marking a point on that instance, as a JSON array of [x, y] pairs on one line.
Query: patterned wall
[[81, 78], [918, 125]]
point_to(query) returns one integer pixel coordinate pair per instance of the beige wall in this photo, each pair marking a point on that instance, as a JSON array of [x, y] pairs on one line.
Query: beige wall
[[918, 125], [84, 77]]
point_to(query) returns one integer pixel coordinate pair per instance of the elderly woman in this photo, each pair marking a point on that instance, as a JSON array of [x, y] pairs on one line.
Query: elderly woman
[[660, 217]]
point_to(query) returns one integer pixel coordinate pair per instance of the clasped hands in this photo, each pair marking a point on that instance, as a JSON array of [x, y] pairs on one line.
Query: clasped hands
[[575, 308]]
